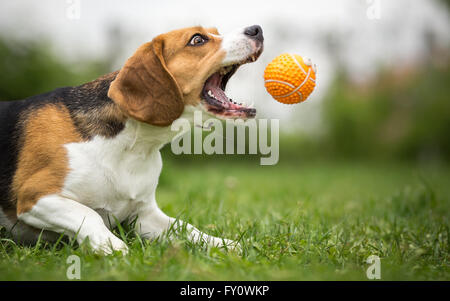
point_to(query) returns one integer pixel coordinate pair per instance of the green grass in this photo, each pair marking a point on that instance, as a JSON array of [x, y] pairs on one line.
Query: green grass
[[317, 221]]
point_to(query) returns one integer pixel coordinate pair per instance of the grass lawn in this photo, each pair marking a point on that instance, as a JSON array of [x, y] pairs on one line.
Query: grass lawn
[[316, 221]]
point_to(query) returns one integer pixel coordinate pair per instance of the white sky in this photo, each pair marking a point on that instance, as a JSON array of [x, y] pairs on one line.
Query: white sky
[[289, 26]]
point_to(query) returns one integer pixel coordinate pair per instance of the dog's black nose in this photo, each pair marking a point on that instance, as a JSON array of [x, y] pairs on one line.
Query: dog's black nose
[[254, 32]]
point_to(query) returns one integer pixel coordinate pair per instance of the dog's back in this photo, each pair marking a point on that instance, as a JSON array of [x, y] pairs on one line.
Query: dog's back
[[83, 106], [13, 115]]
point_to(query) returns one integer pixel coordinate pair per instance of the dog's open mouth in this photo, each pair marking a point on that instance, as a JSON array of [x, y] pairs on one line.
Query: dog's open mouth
[[215, 99]]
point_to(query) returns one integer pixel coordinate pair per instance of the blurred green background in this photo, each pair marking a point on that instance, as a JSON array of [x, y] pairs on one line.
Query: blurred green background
[[402, 113]]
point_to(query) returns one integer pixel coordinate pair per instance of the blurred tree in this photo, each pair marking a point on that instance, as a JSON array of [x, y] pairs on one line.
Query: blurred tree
[[447, 3], [30, 67], [402, 114]]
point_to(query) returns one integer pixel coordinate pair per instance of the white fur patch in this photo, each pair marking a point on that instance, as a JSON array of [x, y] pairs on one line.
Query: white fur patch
[[115, 175], [237, 46]]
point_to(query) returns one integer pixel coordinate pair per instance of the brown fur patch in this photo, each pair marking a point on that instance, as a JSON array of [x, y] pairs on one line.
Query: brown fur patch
[[43, 163], [191, 66], [145, 90]]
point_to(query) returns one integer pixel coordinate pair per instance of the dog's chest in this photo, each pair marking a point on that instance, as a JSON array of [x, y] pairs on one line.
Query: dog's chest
[[113, 175]]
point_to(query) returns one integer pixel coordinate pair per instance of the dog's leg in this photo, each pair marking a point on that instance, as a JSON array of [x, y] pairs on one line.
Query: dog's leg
[[152, 222], [66, 216]]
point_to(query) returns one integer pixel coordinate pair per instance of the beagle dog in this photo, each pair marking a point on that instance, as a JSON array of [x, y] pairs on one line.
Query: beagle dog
[[77, 160]]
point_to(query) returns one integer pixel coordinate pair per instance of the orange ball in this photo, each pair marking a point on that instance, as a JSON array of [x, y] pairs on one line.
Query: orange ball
[[289, 78]]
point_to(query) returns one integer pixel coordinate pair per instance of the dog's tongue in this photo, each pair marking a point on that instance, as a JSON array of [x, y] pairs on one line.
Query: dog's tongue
[[213, 84]]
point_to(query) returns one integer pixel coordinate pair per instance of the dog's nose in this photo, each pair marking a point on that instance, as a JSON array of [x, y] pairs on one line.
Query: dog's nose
[[254, 32]]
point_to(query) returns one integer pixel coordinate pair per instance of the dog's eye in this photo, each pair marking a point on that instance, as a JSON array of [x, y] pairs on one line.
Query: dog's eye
[[197, 40]]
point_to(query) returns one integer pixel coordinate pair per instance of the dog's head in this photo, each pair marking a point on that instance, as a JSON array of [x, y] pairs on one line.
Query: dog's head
[[188, 66]]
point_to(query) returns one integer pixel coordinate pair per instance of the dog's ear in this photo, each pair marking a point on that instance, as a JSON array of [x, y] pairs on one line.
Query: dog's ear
[[144, 88]]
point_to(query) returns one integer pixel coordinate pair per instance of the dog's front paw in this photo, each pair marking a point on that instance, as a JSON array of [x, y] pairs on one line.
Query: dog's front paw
[[106, 245]]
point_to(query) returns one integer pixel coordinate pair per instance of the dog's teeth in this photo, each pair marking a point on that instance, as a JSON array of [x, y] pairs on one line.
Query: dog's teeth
[[210, 93]]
